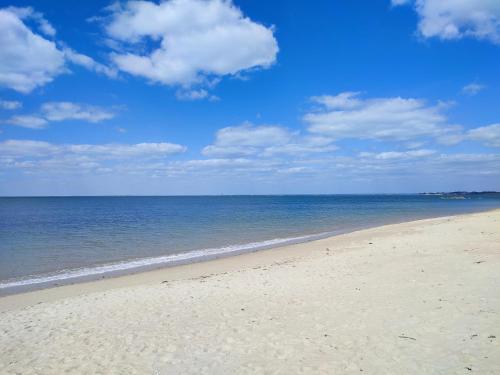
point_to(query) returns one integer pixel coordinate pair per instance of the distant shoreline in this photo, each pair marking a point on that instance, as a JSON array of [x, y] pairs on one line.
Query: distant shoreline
[[471, 193]]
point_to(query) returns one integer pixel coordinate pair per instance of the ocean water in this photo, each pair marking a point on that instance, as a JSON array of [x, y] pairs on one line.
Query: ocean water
[[50, 240]]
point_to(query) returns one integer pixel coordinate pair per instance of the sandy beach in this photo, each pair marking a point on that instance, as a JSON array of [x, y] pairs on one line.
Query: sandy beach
[[415, 298]]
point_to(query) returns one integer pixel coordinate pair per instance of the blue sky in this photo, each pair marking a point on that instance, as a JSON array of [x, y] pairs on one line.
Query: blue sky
[[249, 97]]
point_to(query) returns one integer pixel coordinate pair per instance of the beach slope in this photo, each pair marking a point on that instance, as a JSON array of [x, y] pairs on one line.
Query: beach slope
[[414, 298]]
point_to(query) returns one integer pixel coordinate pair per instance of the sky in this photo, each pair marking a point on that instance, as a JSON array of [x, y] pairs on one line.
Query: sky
[[249, 97]]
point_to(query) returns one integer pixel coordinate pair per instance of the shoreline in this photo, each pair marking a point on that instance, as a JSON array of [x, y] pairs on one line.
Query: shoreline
[[141, 265], [135, 266], [221, 263], [410, 298]]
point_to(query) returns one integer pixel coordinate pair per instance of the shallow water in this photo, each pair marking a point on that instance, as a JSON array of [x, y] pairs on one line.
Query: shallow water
[[47, 239]]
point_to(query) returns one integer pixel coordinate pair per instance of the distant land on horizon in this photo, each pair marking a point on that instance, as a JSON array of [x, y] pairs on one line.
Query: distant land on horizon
[[458, 194], [439, 193]]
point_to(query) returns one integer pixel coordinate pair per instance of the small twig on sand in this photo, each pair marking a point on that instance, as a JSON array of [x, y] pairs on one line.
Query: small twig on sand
[[407, 337]]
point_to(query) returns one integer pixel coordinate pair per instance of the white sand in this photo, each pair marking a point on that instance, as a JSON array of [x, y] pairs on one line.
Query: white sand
[[412, 298]]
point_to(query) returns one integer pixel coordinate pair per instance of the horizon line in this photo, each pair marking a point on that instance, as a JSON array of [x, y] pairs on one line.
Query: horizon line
[[237, 195]]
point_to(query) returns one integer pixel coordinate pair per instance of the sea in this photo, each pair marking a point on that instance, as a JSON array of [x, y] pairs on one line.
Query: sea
[[47, 241]]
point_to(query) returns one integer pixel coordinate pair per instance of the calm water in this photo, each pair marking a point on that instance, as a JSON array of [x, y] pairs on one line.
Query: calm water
[[49, 239]]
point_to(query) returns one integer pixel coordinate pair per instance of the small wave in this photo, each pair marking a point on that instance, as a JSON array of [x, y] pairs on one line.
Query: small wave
[[167, 260]]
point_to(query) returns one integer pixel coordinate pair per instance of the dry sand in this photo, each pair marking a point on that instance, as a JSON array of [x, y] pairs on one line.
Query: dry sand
[[414, 298]]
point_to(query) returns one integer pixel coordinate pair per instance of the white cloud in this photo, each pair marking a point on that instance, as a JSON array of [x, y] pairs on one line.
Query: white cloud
[[295, 170], [60, 111], [28, 121], [209, 167], [418, 165], [198, 39], [470, 158], [127, 151], [348, 116], [89, 63], [265, 141], [191, 95], [489, 135], [473, 89], [302, 146], [398, 155], [27, 60], [413, 170], [213, 163], [10, 104], [228, 151], [46, 27], [455, 19], [48, 159], [249, 135], [414, 145], [246, 139], [29, 13], [23, 148], [450, 139], [39, 156], [344, 100]]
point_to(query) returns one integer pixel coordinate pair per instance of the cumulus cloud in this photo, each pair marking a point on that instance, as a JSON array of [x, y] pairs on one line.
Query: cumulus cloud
[[31, 148], [216, 163], [414, 145], [347, 115], [89, 63], [450, 139], [458, 168], [220, 167], [249, 135], [39, 156], [246, 139], [301, 146], [28, 59], [191, 95], [455, 19], [398, 155], [127, 151], [470, 158], [141, 162], [489, 135], [264, 140], [473, 89], [344, 100], [29, 13], [61, 111], [24, 148], [28, 121], [10, 104], [195, 40], [386, 166]]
